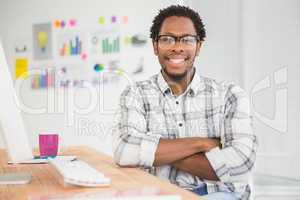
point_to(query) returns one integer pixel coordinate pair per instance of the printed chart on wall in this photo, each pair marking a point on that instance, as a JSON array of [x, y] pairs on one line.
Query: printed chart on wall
[[73, 52], [105, 42], [42, 41], [71, 45]]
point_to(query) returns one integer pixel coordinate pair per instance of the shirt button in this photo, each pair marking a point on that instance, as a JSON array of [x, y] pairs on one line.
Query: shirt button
[[180, 124], [177, 102]]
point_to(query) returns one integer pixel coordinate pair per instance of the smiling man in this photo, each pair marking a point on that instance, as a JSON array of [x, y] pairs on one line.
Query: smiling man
[[191, 130]]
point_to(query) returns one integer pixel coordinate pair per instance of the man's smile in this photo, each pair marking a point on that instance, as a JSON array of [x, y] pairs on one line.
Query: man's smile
[[176, 60]]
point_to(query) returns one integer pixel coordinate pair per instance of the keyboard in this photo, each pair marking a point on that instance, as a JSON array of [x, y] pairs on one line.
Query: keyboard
[[40, 160], [79, 173]]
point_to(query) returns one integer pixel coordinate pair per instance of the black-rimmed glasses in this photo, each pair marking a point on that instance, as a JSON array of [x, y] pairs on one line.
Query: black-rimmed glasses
[[168, 41]]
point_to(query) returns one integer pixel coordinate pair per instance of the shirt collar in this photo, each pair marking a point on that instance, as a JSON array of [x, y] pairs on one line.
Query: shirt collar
[[162, 84], [196, 85]]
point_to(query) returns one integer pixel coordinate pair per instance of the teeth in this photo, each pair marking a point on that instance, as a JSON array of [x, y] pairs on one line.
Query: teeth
[[176, 61]]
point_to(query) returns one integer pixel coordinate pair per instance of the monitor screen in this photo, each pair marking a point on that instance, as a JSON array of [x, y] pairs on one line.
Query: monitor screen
[[13, 129]]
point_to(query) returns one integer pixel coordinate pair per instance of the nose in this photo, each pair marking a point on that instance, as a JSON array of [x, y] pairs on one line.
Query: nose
[[177, 47]]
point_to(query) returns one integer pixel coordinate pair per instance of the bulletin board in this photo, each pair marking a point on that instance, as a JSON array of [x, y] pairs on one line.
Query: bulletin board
[[74, 52]]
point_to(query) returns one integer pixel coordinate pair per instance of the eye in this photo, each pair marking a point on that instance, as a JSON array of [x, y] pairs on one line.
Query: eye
[[189, 40], [166, 39]]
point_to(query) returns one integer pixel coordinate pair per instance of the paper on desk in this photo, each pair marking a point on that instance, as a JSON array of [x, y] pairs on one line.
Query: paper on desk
[[134, 194]]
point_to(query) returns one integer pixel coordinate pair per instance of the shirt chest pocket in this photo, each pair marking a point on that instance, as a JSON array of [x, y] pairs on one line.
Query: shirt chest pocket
[[160, 122], [204, 123]]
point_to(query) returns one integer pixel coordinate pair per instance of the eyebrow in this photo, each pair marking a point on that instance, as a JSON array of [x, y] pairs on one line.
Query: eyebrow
[[172, 34]]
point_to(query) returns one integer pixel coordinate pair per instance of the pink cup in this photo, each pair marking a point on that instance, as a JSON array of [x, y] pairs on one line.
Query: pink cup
[[48, 144]]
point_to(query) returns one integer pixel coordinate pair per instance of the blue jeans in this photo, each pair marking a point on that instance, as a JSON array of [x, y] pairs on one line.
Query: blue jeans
[[202, 191], [220, 196]]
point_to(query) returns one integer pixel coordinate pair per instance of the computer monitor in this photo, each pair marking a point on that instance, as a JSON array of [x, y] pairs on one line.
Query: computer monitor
[[14, 133]]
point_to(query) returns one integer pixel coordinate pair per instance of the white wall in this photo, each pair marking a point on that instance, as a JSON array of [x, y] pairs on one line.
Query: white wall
[[220, 57], [259, 40], [271, 30]]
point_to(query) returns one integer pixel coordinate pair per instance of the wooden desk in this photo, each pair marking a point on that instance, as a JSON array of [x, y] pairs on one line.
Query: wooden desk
[[46, 181]]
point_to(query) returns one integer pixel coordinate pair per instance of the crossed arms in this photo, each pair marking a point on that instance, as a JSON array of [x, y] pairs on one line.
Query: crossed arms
[[187, 154], [202, 157]]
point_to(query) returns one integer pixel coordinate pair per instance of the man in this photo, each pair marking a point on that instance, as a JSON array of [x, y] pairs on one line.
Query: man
[[190, 130]]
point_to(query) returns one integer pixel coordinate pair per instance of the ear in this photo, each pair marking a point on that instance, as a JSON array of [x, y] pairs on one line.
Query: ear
[[199, 45], [155, 47]]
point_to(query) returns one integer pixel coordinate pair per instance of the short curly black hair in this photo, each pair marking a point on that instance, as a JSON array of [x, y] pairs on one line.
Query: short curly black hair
[[179, 11]]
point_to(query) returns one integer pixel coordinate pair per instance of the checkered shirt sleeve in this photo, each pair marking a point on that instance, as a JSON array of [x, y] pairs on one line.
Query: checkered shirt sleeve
[[235, 160], [133, 144]]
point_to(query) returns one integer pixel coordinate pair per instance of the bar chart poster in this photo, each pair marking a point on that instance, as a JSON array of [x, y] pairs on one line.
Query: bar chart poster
[[105, 44], [44, 79], [70, 45]]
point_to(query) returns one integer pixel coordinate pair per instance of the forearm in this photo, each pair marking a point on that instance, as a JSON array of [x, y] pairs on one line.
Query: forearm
[[134, 149], [172, 150], [197, 165]]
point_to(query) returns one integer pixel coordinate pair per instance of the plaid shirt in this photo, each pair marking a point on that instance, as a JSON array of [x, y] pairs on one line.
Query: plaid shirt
[[149, 111]]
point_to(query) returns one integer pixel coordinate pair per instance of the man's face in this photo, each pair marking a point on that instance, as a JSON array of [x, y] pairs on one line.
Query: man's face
[[177, 59]]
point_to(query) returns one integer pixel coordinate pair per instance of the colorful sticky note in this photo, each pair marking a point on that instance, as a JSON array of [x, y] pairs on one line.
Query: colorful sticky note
[[113, 19], [62, 23], [101, 20], [56, 23], [72, 22], [125, 19], [21, 68], [83, 56]]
